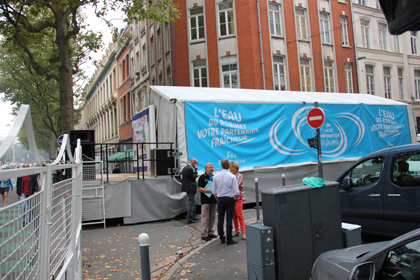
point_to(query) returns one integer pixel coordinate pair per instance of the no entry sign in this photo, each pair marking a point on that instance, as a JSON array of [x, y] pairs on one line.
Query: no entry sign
[[316, 117]]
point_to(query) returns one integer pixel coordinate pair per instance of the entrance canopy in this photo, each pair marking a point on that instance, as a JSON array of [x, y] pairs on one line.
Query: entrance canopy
[[121, 156]]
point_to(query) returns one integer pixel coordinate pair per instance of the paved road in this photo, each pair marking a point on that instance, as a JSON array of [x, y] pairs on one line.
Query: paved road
[[176, 252]]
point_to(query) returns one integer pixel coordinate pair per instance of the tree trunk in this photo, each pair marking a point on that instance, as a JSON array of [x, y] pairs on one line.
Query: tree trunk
[[65, 74], [53, 145]]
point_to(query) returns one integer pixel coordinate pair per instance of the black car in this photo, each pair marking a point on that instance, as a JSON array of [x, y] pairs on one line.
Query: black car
[[381, 191]]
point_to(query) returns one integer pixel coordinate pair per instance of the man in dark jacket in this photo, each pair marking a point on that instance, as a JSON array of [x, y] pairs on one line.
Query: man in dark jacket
[[189, 185]]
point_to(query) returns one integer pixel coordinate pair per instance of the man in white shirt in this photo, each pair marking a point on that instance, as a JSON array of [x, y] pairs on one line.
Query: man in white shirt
[[225, 188]]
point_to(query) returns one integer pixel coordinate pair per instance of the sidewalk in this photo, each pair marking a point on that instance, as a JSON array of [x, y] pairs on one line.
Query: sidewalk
[[176, 252]]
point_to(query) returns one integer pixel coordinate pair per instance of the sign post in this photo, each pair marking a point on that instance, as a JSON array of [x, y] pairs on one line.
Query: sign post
[[316, 119]]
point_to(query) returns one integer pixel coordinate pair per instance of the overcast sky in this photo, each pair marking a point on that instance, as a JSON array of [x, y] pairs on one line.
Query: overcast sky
[[97, 25]]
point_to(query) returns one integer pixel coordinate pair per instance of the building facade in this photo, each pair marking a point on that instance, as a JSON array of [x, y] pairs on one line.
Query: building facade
[[285, 45], [100, 108], [388, 65], [274, 45]]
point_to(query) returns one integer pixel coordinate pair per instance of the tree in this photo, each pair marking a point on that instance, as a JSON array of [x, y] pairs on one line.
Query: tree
[[22, 21], [20, 86]]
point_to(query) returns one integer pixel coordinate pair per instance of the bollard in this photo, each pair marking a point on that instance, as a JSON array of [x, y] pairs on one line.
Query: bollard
[[144, 256], [257, 196], [284, 179]]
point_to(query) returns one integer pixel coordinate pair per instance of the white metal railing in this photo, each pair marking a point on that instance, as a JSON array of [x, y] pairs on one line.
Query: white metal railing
[[40, 236], [93, 194]]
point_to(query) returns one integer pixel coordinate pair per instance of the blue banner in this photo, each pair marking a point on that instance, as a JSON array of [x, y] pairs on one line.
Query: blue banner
[[271, 134]]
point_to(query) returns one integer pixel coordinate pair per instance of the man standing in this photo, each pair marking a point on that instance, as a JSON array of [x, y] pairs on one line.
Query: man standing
[[26, 185], [189, 185], [208, 204], [225, 188]]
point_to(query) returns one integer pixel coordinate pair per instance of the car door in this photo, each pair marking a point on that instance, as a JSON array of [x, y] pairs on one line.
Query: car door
[[402, 194], [363, 202]]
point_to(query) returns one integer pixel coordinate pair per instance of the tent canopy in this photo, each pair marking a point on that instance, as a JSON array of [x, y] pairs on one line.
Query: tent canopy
[[199, 94], [121, 156]]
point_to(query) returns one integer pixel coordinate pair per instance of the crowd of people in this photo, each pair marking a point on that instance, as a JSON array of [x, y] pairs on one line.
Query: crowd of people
[[223, 192]]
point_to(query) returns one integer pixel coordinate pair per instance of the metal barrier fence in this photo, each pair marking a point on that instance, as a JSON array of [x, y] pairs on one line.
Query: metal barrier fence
[[40, 235], [93, 194], [136, 157]]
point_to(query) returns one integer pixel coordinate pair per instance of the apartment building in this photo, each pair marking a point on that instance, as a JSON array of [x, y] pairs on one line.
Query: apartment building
[[388, 65], [100, 110], [285, 45], [275, 45]]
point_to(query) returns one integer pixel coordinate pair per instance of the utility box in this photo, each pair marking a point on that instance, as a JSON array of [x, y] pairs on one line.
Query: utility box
[[306, 222], [352, 235], [260, 252]]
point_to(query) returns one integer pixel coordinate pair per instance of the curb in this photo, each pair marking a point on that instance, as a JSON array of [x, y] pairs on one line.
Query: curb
[[169, 274]]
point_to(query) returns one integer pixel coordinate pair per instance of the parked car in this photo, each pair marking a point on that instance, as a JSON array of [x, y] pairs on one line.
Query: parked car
[[398, 259], [381, 191]]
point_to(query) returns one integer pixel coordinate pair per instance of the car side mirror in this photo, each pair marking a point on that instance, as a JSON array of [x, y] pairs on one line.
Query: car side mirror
[[347, 183], [364, 271]]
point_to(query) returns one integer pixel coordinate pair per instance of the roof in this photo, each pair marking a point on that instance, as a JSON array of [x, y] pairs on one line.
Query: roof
[[228, 95]]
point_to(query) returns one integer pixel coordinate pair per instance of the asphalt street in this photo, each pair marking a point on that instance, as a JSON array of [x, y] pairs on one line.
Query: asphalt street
[[176, 251]]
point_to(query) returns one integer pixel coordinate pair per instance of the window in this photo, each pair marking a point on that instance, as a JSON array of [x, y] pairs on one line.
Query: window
[[301, 24], [365, 33], [344, 31], [168, 76], [279, 73], [230, 72], [404, 166], [397, 43], [370, 80], [137, 61], [366, 173], [143, 58], [401, 83], [417, 83], [413, 35], [349, 77], [362, 2], [387, 82], [325, 28], [305, 74], [152, 50], [167, 36], [382, 36], [275, 19], [160, 79], [329, 75], [159, 44], [226, 19], [197, 23], [122, 109], [396, 256], [199, 73]]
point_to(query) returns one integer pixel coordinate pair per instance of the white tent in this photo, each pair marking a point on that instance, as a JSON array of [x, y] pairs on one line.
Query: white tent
[[171, 103]]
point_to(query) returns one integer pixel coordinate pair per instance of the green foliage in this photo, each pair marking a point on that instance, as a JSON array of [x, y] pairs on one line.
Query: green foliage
[[21, 86], [51, 40]]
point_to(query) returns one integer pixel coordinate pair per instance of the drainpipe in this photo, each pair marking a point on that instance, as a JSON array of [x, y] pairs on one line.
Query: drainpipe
[[355, 48], [261, 46]]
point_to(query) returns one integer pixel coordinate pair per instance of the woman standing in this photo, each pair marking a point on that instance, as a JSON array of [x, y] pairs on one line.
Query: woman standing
[[238, 217], [5, 186]]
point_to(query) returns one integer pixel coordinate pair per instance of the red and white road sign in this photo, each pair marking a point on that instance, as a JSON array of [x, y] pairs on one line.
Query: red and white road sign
[[316, 117]]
